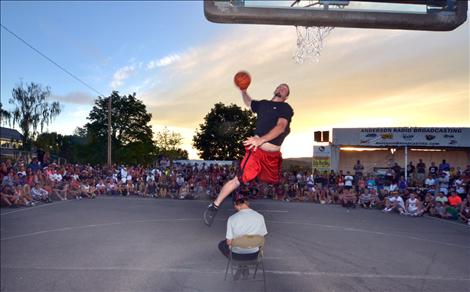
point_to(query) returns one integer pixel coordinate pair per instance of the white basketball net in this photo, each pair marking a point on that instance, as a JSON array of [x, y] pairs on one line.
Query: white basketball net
[[310, 42]]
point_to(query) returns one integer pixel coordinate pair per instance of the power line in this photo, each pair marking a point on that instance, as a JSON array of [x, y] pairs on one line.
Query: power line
[[52, 61]]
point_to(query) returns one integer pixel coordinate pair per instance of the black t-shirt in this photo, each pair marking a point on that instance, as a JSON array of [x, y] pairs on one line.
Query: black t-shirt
[[268, 112], [421, 167]]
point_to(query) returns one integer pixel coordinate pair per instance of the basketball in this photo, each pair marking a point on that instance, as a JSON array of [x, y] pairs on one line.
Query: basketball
[[242, 80]]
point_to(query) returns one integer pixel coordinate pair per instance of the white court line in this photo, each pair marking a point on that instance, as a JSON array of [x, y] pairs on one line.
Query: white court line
[[351, 229], [35, 207], [275, 272], [199, 219]]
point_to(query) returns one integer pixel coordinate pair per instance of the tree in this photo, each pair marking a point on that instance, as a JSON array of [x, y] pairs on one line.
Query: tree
[[32, 109], [169, 143], [5, 116], [224, 129], [131, 133]]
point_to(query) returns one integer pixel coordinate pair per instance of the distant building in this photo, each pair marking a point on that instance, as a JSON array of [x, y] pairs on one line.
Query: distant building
[[10, 138]]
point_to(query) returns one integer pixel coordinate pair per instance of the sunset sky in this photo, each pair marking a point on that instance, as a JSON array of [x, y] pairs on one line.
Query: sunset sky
[[180, 65]]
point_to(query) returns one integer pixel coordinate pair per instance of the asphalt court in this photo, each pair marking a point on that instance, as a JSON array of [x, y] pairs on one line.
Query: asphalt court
[[136, 244]]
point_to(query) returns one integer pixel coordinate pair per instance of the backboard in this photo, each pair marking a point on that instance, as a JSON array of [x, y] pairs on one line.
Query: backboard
[[428, 15]]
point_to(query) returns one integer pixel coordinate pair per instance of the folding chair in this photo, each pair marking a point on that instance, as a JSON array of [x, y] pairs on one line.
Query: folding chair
[[247, 241]]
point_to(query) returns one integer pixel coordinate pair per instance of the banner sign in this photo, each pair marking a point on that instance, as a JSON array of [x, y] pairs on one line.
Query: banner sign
[[321, 158], [400, 137]]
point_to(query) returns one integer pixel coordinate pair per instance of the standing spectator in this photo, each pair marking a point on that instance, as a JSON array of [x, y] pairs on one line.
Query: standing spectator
[[444, 166], [397, 170], [410, 169], [358, 170], [420, 172], [433, 170]]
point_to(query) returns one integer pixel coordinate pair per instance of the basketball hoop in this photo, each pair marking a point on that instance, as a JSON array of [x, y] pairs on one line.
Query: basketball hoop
[[310, 42], [310, 39]]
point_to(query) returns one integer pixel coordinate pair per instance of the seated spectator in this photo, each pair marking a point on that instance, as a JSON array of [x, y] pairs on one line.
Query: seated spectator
[[441, 198], [348, 199], [40, 194], [443, 182], [395, 203], [6, 196], [371, 183], [151, 189], [86, 190], [74, 189], [141, 187], [428, 203], [413, 206], [56, 189], [464, 214], [454, 200], [100, 188], [129, 188], [376, 201], [393, 186], [111, 188], [365, 199], [430, 183], [402, 184], [439, 210]]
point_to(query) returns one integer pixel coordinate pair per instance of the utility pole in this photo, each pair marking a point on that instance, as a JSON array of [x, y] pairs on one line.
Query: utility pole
[[109, 131]]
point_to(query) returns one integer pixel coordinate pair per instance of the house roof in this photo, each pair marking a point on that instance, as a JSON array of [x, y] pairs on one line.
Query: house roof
[[10, 134]]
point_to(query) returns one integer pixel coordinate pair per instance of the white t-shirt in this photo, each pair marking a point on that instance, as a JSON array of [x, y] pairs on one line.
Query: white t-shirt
[[412, 204], [398, 199], [245, 222], [429, 182]]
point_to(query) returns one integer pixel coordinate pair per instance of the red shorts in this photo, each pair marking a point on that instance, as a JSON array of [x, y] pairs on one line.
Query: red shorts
[[262, 164]]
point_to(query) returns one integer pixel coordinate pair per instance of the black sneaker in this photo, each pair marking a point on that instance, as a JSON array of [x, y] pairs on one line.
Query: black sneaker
[[209, 214]]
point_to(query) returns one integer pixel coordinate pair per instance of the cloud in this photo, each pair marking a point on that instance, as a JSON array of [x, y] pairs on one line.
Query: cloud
[[364, 78], [122, 74], [78, 97], [165, 61]]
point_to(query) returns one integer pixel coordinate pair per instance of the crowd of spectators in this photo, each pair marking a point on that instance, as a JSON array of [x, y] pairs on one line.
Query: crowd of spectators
[[435, 190]]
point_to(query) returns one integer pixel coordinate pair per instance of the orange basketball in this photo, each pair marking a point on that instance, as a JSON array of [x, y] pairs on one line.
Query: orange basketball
[[242, 80]]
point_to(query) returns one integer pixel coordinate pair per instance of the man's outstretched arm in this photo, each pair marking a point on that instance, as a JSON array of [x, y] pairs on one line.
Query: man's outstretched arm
[[246, 98]]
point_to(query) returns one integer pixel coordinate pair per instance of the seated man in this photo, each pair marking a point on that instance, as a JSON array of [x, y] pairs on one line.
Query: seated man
[[40, 194], [413, 206], [465, 211], [365, 199], [245, 222], [395, 203], [348, 199]]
